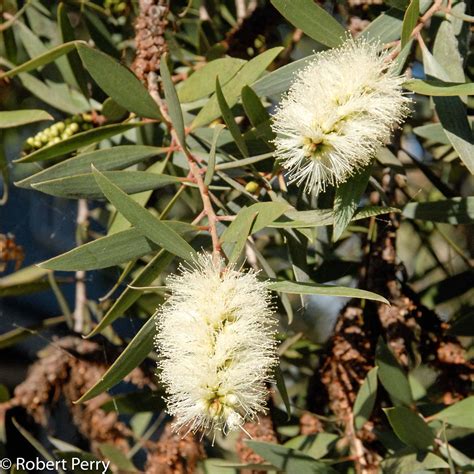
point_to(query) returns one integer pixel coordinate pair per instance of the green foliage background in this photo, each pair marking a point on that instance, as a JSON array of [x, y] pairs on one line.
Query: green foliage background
[[126, 160]]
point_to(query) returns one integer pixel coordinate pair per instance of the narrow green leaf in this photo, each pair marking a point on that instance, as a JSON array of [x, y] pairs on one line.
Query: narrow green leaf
[[460, 414], [211, 162], [386, 27], [257, 114], [435, 87], [43, 59], [347, 199], [288, 459], [230, 121], [409, 460], [365, 401], [78, 141], [58, 95], [452, 113], [323, 217], [453, 117], [84, 185], [279, 81], [452, 211], [300, 288], [111, 250], [119, 82], [446, 48], [107, 159], [433, 132], [316, 22], [280, 383], [117, 457], [244, 162], [410, 427], [113, 111], [15, 118], [249, 73], [267, 212], [67, 34], [410, 20], [99, 33], [152, 270], [18, 334], [143, 220], [201, 83], [132, 356], [391, 375], [172, 101], [316, 446], [244, 228]]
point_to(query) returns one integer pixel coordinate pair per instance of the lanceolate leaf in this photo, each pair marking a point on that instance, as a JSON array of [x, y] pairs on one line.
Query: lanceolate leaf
[[365, 400], [460, 414], [119, 83], [85, 186], [67, 34], [280, 383], [386, 27], [111, 250], [114, 158], [132, 356], [143, 220], [453, 118], [77, 141], [452, 113], [439, 88], [392, 376], [316, 22], [288, 459], [279, 81], [347, 199], [257, 114], [15, 118], [201, 83], [410, 20], [172, 101], [300, 288], [453, 211], [43, 59], [410, 427], [247, 75], [230, 121]]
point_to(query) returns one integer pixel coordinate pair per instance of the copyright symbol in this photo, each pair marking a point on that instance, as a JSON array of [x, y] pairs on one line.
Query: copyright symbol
[[5, 463]]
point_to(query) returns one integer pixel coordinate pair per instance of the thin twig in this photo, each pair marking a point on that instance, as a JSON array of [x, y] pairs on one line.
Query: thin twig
[[81, 295]]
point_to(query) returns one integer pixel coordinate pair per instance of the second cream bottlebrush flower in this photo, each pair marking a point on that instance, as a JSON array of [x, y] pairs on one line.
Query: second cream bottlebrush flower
[[216, 346], [339, 111]]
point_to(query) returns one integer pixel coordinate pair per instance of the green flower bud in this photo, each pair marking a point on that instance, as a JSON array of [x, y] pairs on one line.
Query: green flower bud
[[74, 127], [252, 187], [30, 142], [60, 126], [87, 117]]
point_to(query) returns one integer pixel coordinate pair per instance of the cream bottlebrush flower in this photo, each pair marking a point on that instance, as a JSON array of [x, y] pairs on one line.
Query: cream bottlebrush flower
[[341, 108], [216, 346]]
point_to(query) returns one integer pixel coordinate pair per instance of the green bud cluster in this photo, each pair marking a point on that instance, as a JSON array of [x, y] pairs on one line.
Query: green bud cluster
[[59, 131], [116, 7]]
